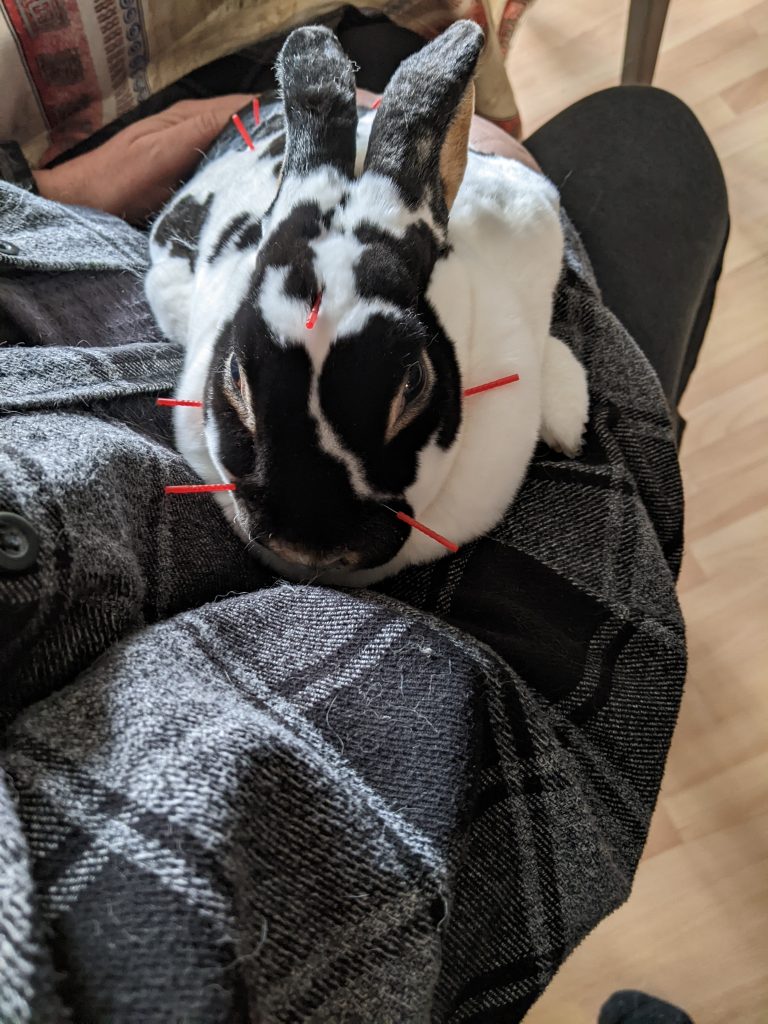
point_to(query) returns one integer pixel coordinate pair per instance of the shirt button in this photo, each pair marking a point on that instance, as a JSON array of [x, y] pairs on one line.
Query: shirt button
[[8, 248], [19, 543]]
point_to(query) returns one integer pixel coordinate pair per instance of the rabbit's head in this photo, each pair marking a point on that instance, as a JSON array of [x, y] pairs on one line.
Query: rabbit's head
[[329, 430]]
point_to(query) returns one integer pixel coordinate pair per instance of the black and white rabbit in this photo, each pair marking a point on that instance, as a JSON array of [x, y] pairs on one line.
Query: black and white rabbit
[[436, 266]]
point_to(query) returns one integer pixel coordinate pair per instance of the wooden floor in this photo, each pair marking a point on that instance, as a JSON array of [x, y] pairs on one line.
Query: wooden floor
[[695, 930]]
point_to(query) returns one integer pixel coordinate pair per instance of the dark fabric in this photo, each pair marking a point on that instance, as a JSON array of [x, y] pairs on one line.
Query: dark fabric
[[644, 189], [240, 801], [111, 309], [377, 48]]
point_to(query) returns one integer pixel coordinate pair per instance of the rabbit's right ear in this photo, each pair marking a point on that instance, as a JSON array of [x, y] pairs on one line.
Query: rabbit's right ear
[[420, 134]]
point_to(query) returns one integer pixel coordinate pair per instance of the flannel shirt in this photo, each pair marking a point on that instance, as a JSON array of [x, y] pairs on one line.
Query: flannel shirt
[[228, 798]]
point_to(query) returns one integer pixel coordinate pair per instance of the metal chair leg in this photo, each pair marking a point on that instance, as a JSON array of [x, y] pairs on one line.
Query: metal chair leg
[[644, 28]]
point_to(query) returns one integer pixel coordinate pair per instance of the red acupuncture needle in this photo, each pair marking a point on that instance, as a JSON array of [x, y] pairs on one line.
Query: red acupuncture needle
[[314, 312], [256, 111], [416, 525], [198, 488], [243, 131], [376, 103], [492, 384], [177, 402]]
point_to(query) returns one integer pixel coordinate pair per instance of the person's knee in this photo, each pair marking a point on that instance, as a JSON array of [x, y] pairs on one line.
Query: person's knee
[[639, 133], [661, 123]]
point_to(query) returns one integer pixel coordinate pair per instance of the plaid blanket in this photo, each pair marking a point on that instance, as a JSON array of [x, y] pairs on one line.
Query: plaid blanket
[[226, 798]]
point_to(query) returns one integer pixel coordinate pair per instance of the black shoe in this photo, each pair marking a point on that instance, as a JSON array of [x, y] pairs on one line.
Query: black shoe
[[629, 1007]]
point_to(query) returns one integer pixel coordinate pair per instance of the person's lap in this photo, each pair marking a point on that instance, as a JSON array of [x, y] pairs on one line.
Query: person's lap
[[600, 241]]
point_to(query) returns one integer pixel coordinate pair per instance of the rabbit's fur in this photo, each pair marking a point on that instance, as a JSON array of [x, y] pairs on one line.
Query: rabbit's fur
[[327, 431]]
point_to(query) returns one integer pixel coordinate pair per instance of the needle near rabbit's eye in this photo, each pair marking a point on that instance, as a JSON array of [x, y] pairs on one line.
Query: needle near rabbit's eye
[[234, 371]]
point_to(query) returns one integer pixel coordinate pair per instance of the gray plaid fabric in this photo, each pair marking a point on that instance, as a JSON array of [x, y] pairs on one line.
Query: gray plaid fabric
[[227, 798]]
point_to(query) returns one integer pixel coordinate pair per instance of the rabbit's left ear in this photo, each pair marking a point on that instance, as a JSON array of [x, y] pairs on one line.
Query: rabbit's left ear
[[420, 134], [318, 88]]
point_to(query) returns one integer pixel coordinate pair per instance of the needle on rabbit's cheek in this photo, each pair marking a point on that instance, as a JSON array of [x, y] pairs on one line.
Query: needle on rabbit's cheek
[[491, 384]]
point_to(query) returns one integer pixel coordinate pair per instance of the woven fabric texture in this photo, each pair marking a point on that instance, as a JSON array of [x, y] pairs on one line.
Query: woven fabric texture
[[226, 798]]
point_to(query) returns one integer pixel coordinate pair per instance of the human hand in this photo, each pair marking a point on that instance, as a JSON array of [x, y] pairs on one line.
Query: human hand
[[487, 137], [136, 171]]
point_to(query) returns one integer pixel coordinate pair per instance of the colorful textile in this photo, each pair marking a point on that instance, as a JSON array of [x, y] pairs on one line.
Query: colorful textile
[[72, 66]]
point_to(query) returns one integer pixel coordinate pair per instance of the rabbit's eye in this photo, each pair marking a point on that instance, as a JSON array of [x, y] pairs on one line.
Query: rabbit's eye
[[415, 379], [234, 371], [411, 396]]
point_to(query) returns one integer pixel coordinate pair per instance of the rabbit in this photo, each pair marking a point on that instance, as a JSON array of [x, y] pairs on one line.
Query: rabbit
[[435, 267]]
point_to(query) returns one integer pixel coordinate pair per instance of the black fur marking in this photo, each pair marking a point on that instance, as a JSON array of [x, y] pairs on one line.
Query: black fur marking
[[250, 236], [443, 356], [230, 139], [359, 381], [276, 146], [289, 247], [180, 227], [288, 488], [397, 269], [275, 122], [227, 235]]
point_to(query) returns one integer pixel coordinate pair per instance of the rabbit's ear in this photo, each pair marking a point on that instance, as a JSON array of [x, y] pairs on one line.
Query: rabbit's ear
[[420, 133], [318, 89]]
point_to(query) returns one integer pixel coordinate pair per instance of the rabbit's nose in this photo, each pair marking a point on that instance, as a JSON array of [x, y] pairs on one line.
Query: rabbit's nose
[[297, 555]]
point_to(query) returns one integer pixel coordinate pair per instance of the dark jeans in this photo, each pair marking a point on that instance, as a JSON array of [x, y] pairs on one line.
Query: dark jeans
[[636, 172], [643, 186]]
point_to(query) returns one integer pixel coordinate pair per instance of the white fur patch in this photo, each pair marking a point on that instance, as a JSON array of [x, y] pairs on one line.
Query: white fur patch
[[564, 398]]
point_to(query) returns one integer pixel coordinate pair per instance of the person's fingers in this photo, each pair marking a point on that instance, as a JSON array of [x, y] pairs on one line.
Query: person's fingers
[[487, 137], [220, 107], [176, 150]]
